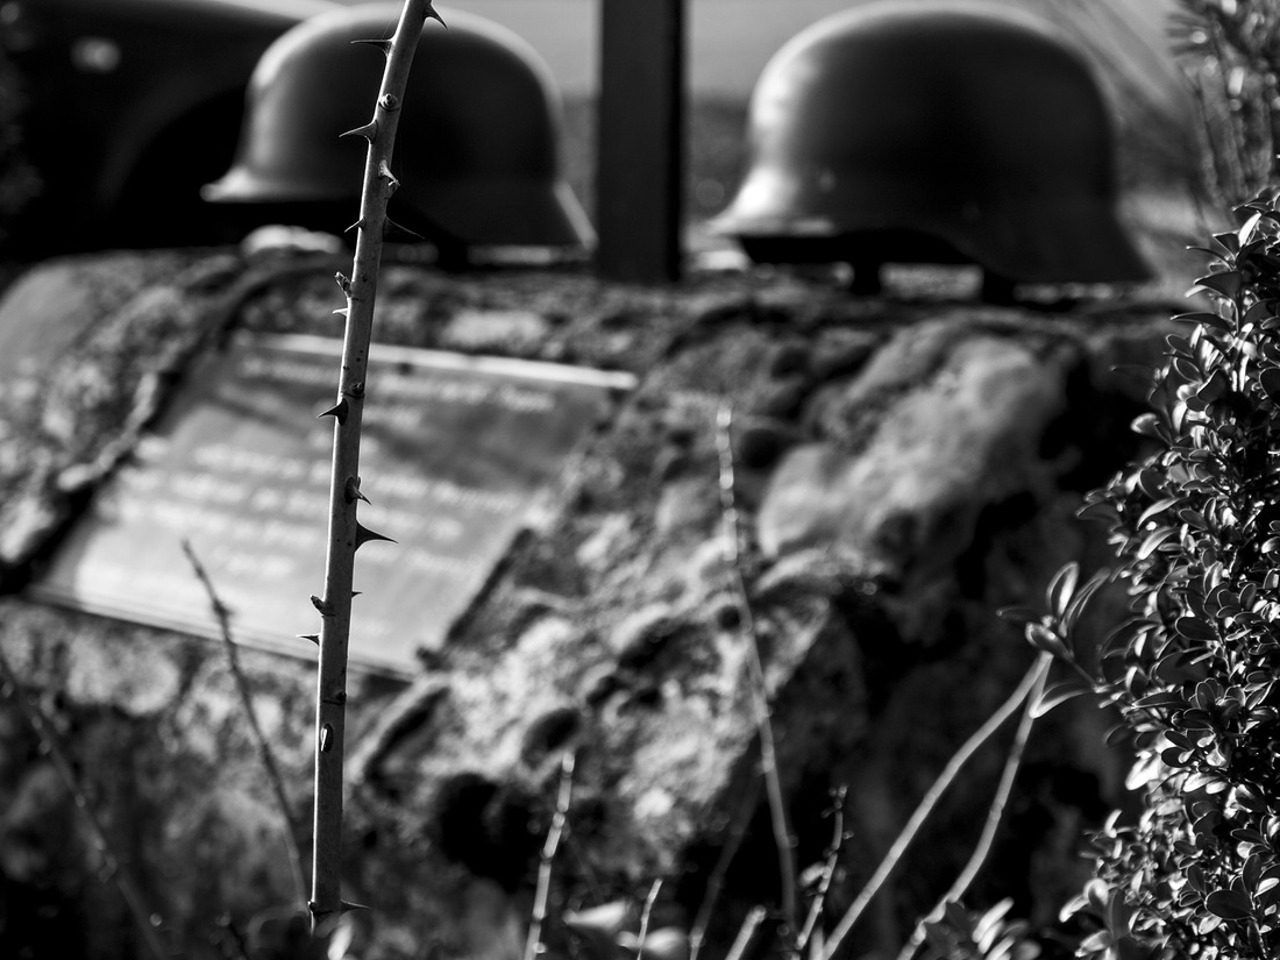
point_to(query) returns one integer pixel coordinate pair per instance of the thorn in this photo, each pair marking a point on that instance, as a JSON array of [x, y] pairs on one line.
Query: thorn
[[337, 411], [343, 281], [343, 312], [356, 593], [383, 45], [352, 490], [364, 535], [433, 15], [346, 906], [355, 226], [369, 131], [385, 173], [322, 606], [390, 225], [313, 637]]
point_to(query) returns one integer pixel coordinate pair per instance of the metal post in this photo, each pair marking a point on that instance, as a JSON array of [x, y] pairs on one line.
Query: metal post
[[640, 142]]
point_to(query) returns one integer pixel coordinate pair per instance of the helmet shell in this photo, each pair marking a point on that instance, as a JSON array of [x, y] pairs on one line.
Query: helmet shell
[[477, 147], [971, 127]]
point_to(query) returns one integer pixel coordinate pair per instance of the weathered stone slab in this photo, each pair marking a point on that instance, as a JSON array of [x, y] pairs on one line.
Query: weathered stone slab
[[964, 435], [53, 305], [457, 451], [615, 632]]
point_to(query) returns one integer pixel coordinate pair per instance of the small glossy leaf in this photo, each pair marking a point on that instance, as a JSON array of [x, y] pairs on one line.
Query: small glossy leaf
[[1061, 587], [1148, 425], [1207, 319], [989, 924], [1173, 757], [1153, 541], [1157, 508], [1081, 599], [1042, 638], [1186, 369], [1018, 614], [1161, 698], [1207, 924], [1226, 284], [1269, 380], [1195, 629], [1214, 388], [1229, 905]]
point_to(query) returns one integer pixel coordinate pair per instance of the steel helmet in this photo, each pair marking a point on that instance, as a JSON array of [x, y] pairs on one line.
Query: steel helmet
[[933, 131], [477, 149]]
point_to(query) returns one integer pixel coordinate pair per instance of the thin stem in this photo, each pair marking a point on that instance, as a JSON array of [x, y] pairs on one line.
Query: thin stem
[[746, 933], [533, 943], [928, 802], [994, 814], [759, 691], [265, 753], [728, 850], [113, 865], [345, 533], [645, 915], [818, 902]]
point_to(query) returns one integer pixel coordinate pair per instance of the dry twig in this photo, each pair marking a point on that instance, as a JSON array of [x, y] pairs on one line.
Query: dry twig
[[819, 900], [645, 915], [1029, 682], [759, 690], [746, 933], [994, 814], [145, 919], [533, 943], [265, 753], [715, 881]]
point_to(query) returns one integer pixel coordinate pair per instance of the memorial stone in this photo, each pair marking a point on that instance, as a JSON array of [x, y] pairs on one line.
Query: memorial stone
[[457, 450]]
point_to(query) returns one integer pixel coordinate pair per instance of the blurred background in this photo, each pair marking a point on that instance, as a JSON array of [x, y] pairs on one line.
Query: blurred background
[[730, 41], [728, 44]]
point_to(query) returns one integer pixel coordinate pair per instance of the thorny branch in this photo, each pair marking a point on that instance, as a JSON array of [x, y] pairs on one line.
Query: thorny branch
[[345, 533]]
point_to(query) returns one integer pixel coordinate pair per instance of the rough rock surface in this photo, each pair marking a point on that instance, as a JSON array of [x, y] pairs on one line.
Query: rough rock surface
[[903, 467]]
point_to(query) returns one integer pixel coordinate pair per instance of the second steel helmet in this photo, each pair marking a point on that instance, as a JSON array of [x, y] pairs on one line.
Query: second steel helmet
[[933, 131], [477, 149]]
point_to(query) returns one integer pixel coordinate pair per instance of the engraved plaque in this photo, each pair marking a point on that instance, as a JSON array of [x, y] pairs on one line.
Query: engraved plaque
[[456, 453]]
